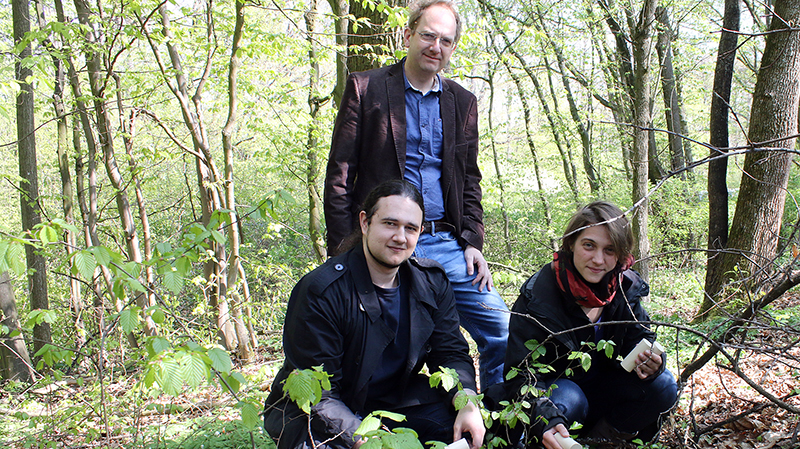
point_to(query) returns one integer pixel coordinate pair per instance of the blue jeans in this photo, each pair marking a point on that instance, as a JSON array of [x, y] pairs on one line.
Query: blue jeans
[[489, 328], [626, 402]]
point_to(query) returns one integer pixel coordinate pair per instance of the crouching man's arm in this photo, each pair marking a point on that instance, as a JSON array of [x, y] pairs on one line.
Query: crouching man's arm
[[469, 420]]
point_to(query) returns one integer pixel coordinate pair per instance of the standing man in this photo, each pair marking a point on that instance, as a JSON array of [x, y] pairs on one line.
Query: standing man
[[372, 318], [407, 121]]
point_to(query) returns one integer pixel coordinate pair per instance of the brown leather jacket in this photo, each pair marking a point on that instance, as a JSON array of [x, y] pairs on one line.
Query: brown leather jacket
[[369, 147]]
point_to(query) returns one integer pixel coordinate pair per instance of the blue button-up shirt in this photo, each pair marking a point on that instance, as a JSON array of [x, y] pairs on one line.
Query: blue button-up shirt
[[424, 146]]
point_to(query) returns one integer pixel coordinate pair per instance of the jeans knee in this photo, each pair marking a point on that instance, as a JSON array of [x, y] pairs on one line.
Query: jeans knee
[[663, 391], [571, 400]]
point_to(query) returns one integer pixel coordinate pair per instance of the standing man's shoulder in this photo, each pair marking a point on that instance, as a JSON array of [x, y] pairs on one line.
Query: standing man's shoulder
[[457, 89]]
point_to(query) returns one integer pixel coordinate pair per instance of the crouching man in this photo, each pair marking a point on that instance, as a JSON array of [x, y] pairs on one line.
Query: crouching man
[[372, 318]]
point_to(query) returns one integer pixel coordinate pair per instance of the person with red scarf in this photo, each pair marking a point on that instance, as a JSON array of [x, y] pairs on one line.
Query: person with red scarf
[[586, 297]]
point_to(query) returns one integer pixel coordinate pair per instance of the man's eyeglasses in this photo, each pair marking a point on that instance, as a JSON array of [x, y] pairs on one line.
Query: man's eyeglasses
[[430, 38]]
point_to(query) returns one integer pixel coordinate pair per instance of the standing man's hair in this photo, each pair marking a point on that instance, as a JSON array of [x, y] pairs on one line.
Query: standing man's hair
[[417, 8], [394, 187], [619, 229]]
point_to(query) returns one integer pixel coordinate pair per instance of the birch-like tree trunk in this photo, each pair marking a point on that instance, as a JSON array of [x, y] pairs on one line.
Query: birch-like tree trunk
[[641, 35]]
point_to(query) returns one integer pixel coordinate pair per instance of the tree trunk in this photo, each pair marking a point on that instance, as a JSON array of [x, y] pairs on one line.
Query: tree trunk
[[98, 84], [315, 102], [584, 130], [669, 90], [529, 135], [67, 192], [496, 159], [15, 363], [641, 122], [235, 284], [773, 125], [340, 9], [30, 207], [718, 130], [372, 41]]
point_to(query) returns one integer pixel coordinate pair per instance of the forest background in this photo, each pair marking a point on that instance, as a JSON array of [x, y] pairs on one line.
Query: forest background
[[162, 168]]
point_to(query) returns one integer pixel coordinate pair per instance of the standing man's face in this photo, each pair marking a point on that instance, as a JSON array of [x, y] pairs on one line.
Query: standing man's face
[[390, 235], [432, 42]]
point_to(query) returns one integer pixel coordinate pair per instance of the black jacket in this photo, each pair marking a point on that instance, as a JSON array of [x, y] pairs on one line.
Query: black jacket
[[541, 298], [334, 319]]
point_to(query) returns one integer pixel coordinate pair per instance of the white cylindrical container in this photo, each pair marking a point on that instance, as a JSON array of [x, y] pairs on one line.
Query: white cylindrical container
[[629, 362], [460, 444], [567, 443]]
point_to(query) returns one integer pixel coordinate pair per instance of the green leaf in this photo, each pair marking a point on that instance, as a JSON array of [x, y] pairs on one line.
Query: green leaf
[[85, 263], [156, 345], [101, 255], [173, 280], [170, 378], [250, 418], [15, 258], [220, 360], [158, 315], [129, 319], [368, 424], [195, 370]]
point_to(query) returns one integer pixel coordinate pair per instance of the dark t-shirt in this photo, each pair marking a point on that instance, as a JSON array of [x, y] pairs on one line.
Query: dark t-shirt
[[384, 391]]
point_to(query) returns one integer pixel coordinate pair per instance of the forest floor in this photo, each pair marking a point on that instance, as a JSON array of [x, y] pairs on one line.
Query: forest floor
[[717, 409]]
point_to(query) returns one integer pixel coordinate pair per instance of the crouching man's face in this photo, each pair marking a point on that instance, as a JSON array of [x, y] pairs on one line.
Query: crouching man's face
[[390, 235]]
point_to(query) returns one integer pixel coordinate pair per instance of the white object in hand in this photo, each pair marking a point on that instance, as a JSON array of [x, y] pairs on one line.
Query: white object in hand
[[460, 444], [567, 443], [629, 362]]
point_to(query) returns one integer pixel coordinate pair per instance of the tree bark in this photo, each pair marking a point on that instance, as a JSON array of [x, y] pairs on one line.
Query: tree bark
[[492, 142], [15, 363], [315, 102], [584, 130], [372, 41], [756, 223], [718, 130], [30, 207], [641, 122], [669, 90], [235, 283], [67, 191], [340, 9]]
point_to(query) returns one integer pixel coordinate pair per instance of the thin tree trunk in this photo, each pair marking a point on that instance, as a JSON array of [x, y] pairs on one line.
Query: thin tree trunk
[[30, 207], [529, 135], [315, 102], [584, 131], [235, 284], [642, 120], [718, 168], [773, 125], [67, 191], [669, 91], [496, 158]]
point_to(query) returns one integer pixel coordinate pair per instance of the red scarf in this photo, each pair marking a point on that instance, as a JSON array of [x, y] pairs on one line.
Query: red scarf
[[576, 289]]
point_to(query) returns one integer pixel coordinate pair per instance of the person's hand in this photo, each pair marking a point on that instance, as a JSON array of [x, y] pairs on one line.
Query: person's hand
[[549, 440], [647, 364], [474, 259], [469, 420], [358, 443]]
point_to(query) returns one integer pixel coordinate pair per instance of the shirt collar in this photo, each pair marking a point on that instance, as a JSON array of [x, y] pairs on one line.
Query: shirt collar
[[437, 85]]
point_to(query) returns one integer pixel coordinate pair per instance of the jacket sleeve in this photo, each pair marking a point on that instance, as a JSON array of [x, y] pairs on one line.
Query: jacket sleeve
[[642, 328], [472, 231], [313, 337], [521, 329], [342, 167]]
